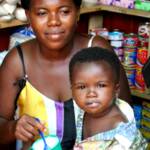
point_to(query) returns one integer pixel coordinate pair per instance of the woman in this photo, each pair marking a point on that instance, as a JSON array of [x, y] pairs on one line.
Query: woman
[[35, 79]]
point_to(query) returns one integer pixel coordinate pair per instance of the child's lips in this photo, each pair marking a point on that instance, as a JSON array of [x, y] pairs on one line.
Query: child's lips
[[93, 104]]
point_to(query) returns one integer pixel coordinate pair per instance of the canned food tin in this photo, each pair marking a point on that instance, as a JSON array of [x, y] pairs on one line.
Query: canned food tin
[[115, 35], [129, 58], [130, 73], [143, 41], [119, 51], [139, 80], [130, 40], [142, 56], [116, 43], [144, 29], [100, 31]]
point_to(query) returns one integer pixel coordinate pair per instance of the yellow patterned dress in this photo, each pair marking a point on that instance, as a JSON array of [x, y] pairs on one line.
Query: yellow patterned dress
[[125, 136]]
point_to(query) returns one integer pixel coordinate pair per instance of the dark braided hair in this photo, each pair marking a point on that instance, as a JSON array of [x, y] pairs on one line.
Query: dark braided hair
[[94, 54]]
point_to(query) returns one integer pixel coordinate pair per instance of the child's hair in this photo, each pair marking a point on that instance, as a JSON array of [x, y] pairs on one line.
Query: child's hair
[[94, 54], [26, 3]]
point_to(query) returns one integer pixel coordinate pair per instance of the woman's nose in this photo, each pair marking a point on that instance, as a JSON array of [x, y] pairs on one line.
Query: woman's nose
[[53, 19]]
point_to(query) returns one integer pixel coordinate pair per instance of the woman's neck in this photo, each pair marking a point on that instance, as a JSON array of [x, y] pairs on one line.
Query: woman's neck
[[56, 54]]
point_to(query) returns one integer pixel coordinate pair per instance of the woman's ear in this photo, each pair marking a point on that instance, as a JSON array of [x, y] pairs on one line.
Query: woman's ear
[[27, 14], [78, 17]]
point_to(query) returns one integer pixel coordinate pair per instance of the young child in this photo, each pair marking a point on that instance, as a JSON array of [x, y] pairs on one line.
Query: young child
[[104, 122]]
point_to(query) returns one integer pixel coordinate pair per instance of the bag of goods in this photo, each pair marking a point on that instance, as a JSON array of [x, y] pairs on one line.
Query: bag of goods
[[124, 3], [142, 5], [86, 3]]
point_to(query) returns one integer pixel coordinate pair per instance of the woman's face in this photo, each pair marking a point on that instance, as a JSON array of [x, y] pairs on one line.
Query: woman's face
[[94, 87], [53, 21]]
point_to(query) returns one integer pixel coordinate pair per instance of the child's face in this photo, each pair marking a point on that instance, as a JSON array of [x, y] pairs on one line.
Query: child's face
[[94, 87]]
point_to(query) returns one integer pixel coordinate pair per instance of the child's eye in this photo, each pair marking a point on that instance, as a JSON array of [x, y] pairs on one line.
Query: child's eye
[[101, 85], [81, 87]]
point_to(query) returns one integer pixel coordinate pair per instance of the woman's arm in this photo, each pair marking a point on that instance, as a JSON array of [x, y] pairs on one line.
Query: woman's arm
[[25, 128]]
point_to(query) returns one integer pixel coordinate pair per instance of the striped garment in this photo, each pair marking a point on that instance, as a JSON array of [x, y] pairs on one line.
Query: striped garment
[[59, 117]]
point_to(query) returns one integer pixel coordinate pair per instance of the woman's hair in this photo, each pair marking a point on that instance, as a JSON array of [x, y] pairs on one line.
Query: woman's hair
[[26, 3], [96, 54]]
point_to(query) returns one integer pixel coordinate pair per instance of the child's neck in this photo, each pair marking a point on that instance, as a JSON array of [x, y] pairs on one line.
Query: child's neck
[[108, 121]]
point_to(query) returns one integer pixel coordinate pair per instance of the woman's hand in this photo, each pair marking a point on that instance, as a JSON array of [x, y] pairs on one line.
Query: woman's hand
[[27, 128]]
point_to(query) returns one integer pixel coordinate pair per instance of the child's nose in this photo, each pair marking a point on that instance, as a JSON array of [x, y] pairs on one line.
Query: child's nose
[[91, 92]]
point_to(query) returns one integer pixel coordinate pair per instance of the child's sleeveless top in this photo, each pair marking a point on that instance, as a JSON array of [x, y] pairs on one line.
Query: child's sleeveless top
[[59, 116]]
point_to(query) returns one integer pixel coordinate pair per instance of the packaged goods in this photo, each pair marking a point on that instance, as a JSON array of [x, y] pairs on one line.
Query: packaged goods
[[100, 31], [146, 112], [139, 80], [142, 56], [138, 114], [130, 73], [144, 29], [119, 52], [130, 40], [146, 104], [146, 73], [87, 3], [116, 41], [145, 132], [106, 2], [124, 3], [142, 5], [116, 35], [130, 56], [23, 34]]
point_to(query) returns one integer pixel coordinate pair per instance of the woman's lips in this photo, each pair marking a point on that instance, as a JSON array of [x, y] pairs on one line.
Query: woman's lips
[[54, 34]]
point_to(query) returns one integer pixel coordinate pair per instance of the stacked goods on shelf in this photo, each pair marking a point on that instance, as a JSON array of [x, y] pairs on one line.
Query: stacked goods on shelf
[[138, 114], [116, 41], [130, 44], [9, 10], [121, 3], [132, 50], [142, 55], [100, 31], [124, 3], [145, 121]]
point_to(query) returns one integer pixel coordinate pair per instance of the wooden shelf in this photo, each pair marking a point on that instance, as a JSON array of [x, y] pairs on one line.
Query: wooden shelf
[[133, 12], [12, 23], [144, 95]]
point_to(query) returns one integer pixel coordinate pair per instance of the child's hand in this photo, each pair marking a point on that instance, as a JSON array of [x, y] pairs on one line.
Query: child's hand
[[27, 128]]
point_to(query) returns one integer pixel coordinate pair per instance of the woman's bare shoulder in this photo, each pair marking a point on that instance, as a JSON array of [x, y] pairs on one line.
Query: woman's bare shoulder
[[99, 41], [12, 60]]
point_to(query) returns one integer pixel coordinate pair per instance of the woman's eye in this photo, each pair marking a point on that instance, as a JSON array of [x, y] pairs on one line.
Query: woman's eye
[[65, 12], [41, 13]]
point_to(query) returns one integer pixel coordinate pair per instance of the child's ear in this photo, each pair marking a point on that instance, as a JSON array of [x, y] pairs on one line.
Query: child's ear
[[117, 89]]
